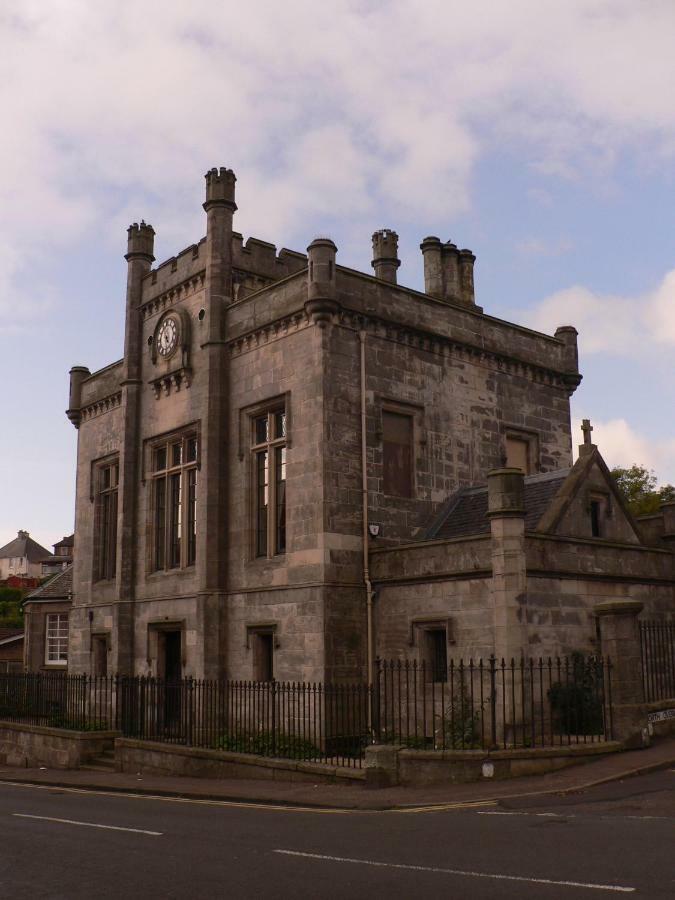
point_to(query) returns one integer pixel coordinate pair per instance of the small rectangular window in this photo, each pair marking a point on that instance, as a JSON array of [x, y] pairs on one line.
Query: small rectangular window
[[518, 454], [397, 454], [56, 639]]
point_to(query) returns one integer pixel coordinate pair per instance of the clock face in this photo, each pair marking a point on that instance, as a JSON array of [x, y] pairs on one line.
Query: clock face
[[167, 336]]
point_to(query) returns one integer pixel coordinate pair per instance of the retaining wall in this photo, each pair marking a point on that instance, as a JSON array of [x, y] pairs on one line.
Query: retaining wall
[[387, 765], [34, 745], [169, 759]]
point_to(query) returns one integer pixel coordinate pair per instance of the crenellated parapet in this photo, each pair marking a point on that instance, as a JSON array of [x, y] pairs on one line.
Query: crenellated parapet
[[258, 264]]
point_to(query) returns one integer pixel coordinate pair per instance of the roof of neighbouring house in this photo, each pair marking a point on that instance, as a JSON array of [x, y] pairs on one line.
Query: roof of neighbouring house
[[465, 512], [57, 588], [24, 545], [67, 541], [9, 635]]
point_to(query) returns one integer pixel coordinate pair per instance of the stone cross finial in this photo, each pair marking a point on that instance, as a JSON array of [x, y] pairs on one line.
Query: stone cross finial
[[586, 427]]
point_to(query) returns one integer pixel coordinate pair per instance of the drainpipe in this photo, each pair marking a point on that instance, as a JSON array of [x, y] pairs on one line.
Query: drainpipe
[[364, 491]]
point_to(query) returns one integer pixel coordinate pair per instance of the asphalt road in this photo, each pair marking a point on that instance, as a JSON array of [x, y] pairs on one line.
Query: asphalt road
[[618, 840]]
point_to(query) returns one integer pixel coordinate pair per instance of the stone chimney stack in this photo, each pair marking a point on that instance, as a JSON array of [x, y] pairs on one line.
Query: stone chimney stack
[[466, 288], [506, 493], [448, 272], [385, 255], [450, 267], [321, 281], [77, 376], [431, 248], [508, 587]]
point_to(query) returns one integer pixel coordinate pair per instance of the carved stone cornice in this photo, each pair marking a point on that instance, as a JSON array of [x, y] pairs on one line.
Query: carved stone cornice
[[101, 406], [266, 334], [439, 345], [173, 295], [170, 382]]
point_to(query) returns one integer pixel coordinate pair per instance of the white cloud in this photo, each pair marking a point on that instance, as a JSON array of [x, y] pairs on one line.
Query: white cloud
[[536, 247], [607, 323], [621, 445], [356, 108]]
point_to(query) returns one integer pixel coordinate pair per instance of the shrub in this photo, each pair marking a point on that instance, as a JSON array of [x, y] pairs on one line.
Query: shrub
[[576, 702], [263, 743], [461, 726]]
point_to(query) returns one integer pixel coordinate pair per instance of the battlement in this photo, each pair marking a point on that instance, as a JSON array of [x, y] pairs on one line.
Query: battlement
[[175, 270], [260, 258]]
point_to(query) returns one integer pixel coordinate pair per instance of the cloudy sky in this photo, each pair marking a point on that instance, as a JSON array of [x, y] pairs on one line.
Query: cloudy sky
[[540, 134]]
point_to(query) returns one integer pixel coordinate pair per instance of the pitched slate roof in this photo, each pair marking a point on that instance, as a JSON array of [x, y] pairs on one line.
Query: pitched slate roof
[[57, 588], [465, 513], [7, 635], [24, 545]]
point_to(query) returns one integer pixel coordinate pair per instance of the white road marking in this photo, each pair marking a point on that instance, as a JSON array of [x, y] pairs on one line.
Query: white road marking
[[88, 824], [553, 815], [466, 873]]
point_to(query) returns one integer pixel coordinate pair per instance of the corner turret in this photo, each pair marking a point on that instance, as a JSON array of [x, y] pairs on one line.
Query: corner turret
[[321, 302], [140, 242]]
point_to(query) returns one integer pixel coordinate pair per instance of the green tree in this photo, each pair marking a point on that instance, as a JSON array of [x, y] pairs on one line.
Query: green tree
[[11, 611], [639, 487]]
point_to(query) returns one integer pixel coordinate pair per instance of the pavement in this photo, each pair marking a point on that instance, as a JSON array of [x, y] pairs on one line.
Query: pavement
[[575, 779]]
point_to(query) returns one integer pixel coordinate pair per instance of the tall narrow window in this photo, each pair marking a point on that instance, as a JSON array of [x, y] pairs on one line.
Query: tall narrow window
[[174, 513], [269, 468], [397, 454], [56, 639], [596, 510], [263, 656], [437, 654], [105, 540]]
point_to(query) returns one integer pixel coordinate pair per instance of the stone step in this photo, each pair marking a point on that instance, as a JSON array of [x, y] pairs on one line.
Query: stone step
[[97, 766]]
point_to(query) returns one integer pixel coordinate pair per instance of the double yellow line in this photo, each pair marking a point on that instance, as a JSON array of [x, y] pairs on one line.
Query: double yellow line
[[244, 804]]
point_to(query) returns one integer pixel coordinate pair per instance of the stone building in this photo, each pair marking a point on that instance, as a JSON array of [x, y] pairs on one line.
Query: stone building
[[286, 472], [46, 613]]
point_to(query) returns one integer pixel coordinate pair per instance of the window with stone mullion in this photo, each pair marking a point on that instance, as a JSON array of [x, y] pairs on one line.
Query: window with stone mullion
[[269, 467], [175, 503], [106, 521]]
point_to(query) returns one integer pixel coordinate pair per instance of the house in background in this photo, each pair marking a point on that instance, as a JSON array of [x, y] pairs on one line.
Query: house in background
[[11, 650], [22, 558], [46, 619], [61, 558]]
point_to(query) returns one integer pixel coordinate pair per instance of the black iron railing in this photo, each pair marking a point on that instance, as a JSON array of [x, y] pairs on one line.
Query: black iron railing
[[294, 720], [657, 642], [485, 704], [494, 703]]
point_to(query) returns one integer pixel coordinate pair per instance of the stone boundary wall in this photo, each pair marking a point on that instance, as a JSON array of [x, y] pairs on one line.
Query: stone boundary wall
[[152, 758], [387, 765], [34, 745]]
